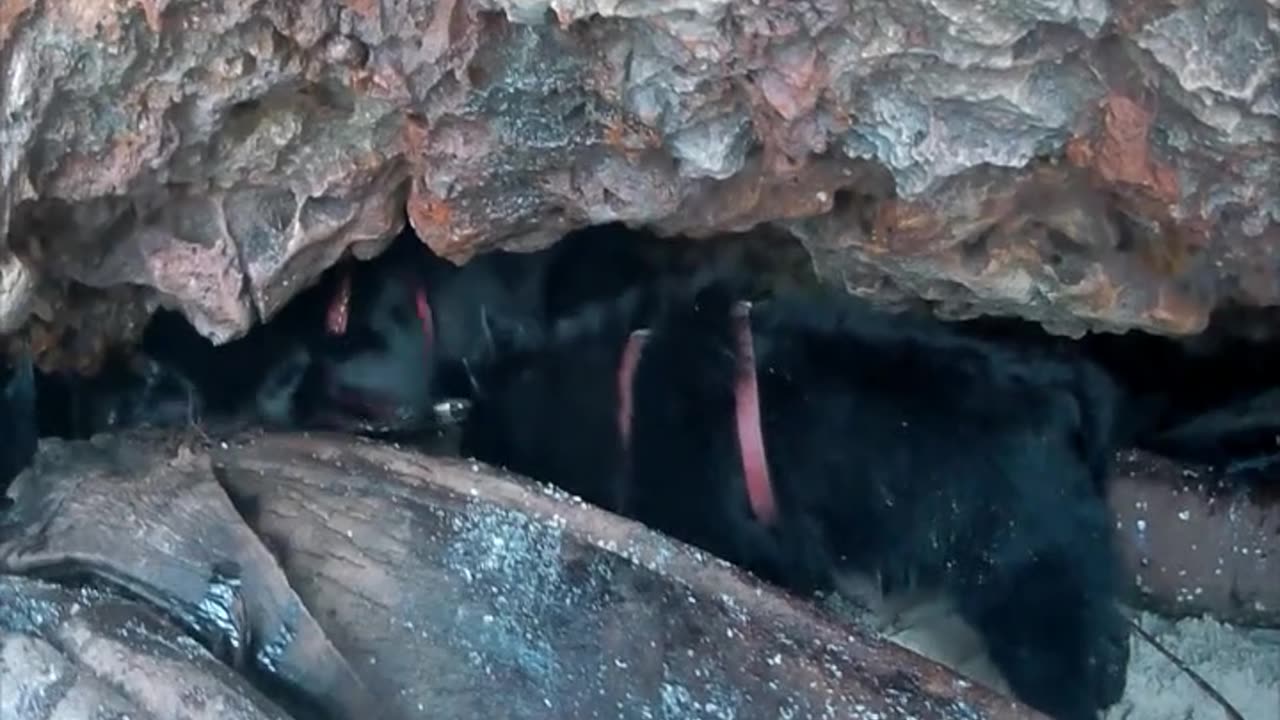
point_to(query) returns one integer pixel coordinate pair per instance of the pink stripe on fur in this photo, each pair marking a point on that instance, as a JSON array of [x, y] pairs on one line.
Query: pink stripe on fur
[[626, 377], [755, 466]]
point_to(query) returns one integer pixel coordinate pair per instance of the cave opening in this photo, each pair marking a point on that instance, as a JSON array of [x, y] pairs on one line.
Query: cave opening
[[1217, 393]]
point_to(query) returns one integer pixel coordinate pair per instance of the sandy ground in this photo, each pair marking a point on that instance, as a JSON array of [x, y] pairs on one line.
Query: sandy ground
[[1243, 664]]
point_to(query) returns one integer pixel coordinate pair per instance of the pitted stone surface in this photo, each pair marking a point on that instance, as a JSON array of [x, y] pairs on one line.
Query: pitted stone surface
[[1088, 164]]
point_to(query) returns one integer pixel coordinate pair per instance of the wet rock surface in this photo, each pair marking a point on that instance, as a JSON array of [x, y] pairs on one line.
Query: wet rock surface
[[445, 588], [1086, 164]]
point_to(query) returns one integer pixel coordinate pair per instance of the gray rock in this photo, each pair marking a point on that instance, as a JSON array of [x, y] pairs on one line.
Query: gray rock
[[1087, 164]]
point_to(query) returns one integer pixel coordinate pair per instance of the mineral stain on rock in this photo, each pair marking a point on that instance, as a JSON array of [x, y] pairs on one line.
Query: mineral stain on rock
[[509, 123]]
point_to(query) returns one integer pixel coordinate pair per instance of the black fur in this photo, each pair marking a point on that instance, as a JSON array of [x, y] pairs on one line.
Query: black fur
[[376, 375], [1209, 399], [379, 374], [1203, 400], [895, 445], [1241, 438]]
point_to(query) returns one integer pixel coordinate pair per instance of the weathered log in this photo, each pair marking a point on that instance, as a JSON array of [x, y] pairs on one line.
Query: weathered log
[[76, 653], [148, 517], [1194, 543], [449, 589], [1081, 163]]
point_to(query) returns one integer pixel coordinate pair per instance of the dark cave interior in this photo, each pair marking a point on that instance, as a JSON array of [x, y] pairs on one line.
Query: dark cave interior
[[1217, 393]]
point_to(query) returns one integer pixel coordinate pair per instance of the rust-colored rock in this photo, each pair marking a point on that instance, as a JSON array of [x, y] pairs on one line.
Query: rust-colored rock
[[1086, 164]]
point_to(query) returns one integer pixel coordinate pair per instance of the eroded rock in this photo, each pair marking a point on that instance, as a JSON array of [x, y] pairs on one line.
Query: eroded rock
[[1087, 164]]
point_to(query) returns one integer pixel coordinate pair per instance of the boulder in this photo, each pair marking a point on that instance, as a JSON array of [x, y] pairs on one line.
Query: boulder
[[1083, 163]]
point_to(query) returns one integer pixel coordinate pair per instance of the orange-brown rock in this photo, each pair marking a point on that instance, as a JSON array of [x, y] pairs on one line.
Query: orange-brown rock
[[1085, 164]]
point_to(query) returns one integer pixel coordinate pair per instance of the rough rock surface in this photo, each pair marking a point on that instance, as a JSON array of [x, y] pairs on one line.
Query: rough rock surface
[[1087, 163]]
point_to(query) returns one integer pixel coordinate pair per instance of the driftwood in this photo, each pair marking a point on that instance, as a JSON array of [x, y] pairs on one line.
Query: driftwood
[[378, 582], [77, 653], [1195, 543], [147, 517]]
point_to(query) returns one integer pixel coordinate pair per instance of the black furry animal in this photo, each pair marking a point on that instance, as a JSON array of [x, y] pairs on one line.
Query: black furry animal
[[18, 429], [370, 348], [415, 324], [390, 370], [409, 327], [1209, 400], [894, 445], [376, 374]]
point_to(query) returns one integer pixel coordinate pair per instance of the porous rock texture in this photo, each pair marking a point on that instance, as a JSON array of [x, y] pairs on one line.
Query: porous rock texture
[[1085, 163]]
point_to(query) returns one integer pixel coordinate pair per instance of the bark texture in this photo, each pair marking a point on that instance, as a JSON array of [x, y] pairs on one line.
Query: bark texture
[[386, 584], [1086, 163], [380, 582], [76, 653]]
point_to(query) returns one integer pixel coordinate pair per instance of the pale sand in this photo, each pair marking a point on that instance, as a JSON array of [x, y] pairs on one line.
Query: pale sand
[[1243, 664]]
